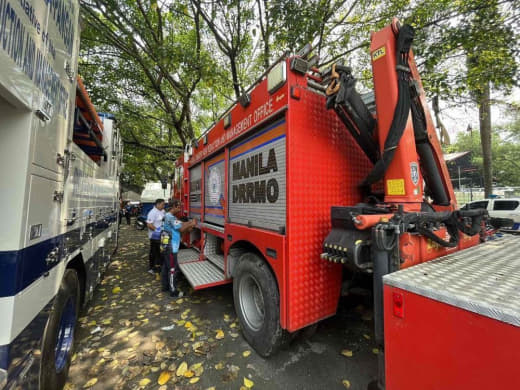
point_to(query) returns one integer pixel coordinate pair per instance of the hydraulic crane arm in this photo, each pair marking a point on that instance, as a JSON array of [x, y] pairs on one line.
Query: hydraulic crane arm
[[405, 228], [401, 141]]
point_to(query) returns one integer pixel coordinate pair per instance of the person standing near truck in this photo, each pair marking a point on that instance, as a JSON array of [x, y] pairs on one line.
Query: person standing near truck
[[154, 222], [170, 267], [128, 212]]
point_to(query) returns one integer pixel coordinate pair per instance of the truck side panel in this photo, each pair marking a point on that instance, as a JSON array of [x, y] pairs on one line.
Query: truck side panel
[[214, 177], [58, 204], [257, 179], [195, 191], [324, 169]]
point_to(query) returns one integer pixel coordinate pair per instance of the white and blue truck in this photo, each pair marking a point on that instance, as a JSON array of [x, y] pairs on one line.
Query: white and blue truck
[[59, 191]]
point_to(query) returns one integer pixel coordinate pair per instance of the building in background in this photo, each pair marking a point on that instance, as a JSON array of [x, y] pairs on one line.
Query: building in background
[[462, 173]]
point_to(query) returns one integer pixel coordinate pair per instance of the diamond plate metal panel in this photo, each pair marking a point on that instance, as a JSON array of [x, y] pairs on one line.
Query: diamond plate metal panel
[[201, 273], [484, 279], [217, 260], [212, 250], [325, 167], [187, 255]]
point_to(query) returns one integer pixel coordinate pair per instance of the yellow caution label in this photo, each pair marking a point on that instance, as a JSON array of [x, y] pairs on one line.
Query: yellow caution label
[[395, 187], [378, 53], [431, 245]]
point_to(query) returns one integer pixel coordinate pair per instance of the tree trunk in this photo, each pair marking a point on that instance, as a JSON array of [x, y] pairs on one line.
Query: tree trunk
[[484, 113], [234, 76]]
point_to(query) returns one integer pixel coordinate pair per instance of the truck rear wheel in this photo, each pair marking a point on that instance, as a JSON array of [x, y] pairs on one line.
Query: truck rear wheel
[[257, 303], [58, 338]]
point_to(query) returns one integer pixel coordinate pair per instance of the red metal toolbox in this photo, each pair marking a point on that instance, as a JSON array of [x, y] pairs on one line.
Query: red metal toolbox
[[454, 323]]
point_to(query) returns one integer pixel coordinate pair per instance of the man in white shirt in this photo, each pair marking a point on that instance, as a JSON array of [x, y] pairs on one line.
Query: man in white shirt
[[154, 222]]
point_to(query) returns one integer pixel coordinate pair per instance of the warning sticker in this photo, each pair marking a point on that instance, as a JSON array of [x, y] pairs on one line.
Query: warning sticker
[[395, 187], [378, 53]]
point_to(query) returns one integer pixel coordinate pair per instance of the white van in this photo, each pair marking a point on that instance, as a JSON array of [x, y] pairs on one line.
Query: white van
[[499, 208]]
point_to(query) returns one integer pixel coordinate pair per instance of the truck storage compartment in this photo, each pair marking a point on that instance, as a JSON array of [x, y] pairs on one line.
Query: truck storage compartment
[[195, 236], [214, 250], [257, 179], [454, 323], [214, 170], [195, 192]]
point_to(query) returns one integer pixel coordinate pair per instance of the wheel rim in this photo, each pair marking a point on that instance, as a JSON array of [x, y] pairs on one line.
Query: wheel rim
[[65, 334], [251, 302]]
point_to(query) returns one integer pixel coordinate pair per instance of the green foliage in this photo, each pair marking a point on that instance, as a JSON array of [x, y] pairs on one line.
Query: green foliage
[[463, 45], [145, 63], [169, 70], [505, 146]]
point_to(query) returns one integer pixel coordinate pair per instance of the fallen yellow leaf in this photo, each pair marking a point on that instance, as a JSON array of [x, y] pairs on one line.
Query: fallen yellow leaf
[[188, 325], [366, 336], [189, 374], [182, 369], [197, 369], [220, 334], [219, 366], [117, 289], [346, 383], [90, 383], [92, 323], [194, 380], [347, 353], [164, 377], [248, 383], [144, 382], [246, 353], [375, 350]]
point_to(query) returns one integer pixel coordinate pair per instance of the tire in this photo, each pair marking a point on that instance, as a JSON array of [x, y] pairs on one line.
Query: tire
[[58, 337], [257, 303]]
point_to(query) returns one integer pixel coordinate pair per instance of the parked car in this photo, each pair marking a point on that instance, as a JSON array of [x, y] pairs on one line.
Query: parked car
[[499, 208]]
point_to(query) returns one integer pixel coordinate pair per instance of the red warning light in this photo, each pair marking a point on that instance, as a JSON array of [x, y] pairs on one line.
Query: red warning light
[[398, 301]]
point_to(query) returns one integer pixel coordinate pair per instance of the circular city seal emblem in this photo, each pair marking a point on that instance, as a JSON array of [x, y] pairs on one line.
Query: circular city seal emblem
[[215, 186]]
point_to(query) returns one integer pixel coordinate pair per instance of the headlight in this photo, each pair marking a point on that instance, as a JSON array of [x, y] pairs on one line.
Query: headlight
[[276, 77]]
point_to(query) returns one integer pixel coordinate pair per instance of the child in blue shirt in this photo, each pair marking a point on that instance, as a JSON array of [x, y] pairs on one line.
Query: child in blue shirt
[[170, 267]]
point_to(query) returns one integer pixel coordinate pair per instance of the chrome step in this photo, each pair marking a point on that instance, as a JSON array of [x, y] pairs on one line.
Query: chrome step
[[201, 274], [217, 260], [187, 255]]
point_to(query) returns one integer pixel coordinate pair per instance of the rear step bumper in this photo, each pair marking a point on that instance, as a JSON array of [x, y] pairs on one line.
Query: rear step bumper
[[200, 273]]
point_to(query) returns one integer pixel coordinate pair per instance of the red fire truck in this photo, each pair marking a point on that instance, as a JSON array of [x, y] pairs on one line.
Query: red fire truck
[[304, 179]]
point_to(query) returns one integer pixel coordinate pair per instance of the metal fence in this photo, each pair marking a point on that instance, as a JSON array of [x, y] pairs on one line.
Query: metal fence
[[467, 194]]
